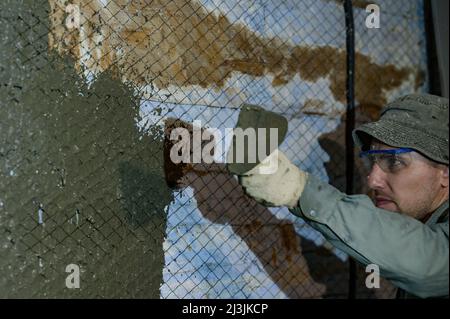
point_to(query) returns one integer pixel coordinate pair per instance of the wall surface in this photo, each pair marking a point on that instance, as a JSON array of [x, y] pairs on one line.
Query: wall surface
[[82, 110]]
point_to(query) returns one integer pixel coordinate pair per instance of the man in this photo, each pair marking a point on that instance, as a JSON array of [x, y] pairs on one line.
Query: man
[[406, 231]]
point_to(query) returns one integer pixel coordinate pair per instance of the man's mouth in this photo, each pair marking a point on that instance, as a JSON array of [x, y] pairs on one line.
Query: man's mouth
[[381, 201]]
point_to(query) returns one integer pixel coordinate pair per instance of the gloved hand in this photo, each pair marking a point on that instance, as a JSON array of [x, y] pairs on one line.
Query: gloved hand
[[281, 188]]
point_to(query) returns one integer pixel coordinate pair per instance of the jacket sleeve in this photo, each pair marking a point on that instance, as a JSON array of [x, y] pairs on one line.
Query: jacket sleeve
[[414, 256]]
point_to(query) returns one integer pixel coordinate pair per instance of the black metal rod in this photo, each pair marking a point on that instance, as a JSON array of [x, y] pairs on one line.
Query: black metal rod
[[434, 82], [350, 123]]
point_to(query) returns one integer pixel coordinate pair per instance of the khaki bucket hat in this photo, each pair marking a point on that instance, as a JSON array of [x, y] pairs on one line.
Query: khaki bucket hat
[[417, 121]]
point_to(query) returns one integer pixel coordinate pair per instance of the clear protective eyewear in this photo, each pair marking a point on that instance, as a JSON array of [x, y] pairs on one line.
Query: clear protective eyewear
[[390, 161]]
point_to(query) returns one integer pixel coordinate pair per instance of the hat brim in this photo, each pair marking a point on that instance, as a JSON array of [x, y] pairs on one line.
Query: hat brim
[[399, 135]]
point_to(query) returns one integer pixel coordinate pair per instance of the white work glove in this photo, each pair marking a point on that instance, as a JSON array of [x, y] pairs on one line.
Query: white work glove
[[282, 187]]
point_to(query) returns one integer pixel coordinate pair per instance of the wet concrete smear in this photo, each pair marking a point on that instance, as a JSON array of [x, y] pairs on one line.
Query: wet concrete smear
[[77, 152], [177, 42]]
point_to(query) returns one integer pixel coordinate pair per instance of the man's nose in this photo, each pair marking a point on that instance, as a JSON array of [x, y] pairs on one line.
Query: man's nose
[[376, 178]]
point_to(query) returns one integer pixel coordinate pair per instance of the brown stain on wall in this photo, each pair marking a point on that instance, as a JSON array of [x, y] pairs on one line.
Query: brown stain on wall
[[179, 43], [175, 171], [311, 107], [289, 240]]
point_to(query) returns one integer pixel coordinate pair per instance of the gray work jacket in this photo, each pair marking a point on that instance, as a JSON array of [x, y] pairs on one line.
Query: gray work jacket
[[412, 255]]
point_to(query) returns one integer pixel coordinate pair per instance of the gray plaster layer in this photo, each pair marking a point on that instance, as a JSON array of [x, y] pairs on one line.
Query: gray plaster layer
[[79, 183]]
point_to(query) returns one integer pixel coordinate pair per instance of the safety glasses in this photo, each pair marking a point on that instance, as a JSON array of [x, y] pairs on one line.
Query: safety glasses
[[390, 161]]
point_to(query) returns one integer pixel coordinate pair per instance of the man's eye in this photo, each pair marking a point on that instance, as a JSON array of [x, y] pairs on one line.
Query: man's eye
[[395, 162]]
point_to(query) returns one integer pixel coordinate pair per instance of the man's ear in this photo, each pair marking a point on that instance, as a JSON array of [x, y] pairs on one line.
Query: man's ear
[[444, 176]]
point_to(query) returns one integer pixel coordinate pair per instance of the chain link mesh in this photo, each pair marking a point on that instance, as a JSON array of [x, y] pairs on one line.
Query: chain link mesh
[[87, 88]]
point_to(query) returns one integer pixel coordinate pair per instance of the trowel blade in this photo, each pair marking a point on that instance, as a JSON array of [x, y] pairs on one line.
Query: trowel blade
[[254, 116]]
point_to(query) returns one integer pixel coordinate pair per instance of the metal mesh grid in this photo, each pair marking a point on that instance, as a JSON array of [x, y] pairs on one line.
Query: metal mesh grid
[[83, 110]]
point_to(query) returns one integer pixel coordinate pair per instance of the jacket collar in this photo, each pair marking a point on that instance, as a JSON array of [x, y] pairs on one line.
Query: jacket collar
[[439, 214]]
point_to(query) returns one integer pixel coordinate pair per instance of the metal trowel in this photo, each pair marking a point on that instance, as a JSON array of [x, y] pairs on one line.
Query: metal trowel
[[270, 130]]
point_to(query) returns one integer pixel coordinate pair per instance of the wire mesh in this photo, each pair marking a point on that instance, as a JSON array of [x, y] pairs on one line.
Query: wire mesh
[[87, 89]]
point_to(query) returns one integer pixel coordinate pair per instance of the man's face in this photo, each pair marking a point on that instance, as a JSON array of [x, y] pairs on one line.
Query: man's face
[[413, 186]]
